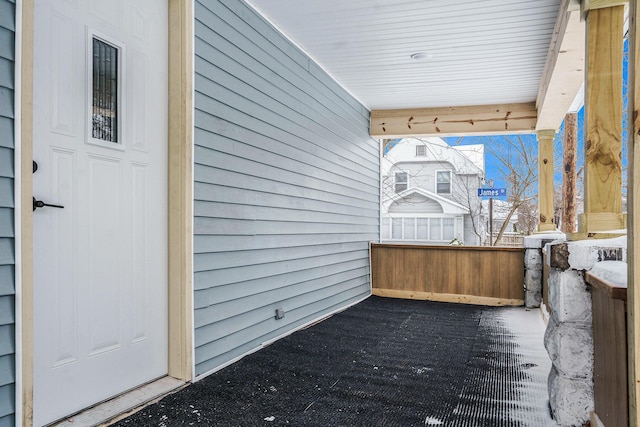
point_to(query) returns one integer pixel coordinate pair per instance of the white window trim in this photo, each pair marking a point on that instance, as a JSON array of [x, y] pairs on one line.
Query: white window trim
[[425, 150], [120, 144], [450, 181]]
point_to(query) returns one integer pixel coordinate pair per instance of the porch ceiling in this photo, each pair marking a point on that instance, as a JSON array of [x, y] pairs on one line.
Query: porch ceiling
[[476, 53]]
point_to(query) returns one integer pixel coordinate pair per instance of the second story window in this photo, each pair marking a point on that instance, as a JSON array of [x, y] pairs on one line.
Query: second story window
[[401, 181], [443, 182], [421, 150]]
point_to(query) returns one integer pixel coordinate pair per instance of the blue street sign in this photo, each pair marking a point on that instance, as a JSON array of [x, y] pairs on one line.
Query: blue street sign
[[492, 192]]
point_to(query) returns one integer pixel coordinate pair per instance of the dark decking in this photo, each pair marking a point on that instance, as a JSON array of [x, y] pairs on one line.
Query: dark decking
[[383, 362]]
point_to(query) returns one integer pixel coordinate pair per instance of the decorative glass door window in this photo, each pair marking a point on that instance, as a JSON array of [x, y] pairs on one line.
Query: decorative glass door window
[[105, 91]]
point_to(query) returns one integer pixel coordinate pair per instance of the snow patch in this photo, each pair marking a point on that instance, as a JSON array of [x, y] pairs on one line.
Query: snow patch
[[432, 421], [614, 272]]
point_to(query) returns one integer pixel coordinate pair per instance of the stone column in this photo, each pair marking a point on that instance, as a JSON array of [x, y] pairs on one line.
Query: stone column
[[569, 335], [533, 266]]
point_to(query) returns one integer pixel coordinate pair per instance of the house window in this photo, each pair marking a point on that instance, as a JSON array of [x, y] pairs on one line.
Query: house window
[[448, 229], [396, 228], [421, 150], [435, 229], [460, 229], [409, 228], [401, 181], [422, 229], [443, 182]]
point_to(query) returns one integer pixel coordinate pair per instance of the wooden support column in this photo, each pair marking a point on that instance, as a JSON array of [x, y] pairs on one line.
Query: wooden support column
[[545, 180], [603, 117], [569, 173], [633, 206], [180, 259]]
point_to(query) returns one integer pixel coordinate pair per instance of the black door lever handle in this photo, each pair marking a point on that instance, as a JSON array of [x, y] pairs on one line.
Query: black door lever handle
[[40, 204]]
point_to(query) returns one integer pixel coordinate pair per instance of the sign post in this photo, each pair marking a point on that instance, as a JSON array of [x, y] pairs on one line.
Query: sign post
[[491, 193]]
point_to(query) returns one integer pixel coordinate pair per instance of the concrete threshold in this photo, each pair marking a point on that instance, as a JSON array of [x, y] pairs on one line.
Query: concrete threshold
[[112, 410]]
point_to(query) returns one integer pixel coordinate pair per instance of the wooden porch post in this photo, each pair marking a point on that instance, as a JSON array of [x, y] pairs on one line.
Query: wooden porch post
[[569, 177], [633, 207], [545, 180], [603, 118]]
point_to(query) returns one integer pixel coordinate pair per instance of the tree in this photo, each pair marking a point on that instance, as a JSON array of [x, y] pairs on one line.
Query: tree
[[516, 158], [528, 217]]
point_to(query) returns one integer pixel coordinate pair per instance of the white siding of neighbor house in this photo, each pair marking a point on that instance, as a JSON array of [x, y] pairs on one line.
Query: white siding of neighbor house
[[286, 186], [7, 234]]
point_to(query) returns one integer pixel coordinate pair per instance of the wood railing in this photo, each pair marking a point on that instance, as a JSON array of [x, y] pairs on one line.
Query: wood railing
[[465, 274], [610, 351], [507, 239]]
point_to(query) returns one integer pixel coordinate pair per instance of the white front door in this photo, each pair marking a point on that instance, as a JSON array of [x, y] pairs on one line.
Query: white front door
[[100, 144]]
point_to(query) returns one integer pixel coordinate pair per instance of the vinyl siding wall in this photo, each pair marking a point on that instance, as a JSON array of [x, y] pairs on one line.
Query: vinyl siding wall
[[7, 255], [286, 186]]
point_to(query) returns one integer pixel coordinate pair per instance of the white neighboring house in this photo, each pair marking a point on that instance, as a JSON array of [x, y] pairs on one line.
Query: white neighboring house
[[429, 192]]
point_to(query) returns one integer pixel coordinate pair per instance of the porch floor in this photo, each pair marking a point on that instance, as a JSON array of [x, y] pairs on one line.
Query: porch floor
[[382, 362]]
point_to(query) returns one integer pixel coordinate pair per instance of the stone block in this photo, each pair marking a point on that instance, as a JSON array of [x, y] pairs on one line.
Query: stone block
[[569, 296], [532, 288], [532, 299], [558, 255], [570, 348], [533, 280], [571, 400], [533, 259]]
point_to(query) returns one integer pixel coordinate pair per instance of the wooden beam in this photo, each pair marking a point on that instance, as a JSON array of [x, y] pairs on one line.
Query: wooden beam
[[588, 5], [26, 124], [481, 119], [603, 121], [545, 180], [180, 189], [564, 68], [455, 298], [633, 223]]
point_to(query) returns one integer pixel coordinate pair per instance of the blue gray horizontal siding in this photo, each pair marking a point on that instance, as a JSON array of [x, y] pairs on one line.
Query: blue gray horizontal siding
[[286, 186], [7, 255]]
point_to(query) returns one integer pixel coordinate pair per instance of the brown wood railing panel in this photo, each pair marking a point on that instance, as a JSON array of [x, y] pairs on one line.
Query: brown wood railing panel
[[471, 274], [610, 352]]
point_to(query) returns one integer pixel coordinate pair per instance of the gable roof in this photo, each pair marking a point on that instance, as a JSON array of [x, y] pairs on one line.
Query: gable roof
[[467, 159], [448, 206]]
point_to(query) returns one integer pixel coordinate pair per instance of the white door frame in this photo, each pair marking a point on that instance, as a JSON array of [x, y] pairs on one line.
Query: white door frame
[[180, 200]]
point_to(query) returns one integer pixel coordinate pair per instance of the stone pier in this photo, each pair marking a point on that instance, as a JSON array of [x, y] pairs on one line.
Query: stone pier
[[569, 334], [533, 266]]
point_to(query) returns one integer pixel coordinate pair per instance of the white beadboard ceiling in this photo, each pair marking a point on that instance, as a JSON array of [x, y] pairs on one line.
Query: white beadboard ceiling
[[478, 52]]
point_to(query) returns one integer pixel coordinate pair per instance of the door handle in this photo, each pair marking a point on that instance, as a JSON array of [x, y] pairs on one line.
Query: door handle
[[40, 204]]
